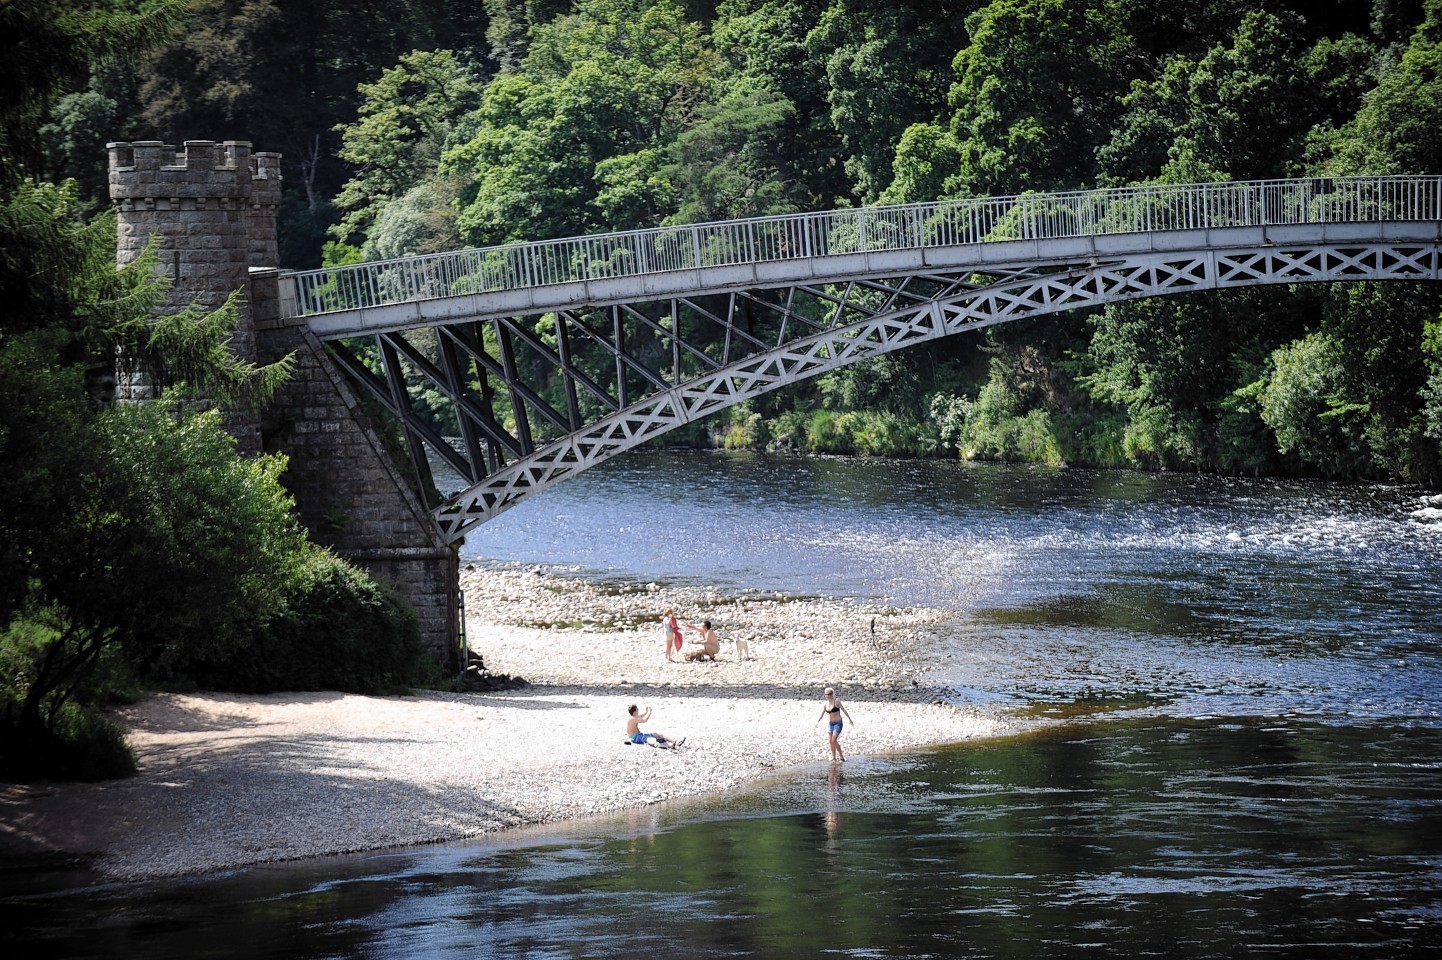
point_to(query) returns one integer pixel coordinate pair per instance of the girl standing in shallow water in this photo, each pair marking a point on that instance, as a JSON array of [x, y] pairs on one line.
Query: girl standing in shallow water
[[832, 711]]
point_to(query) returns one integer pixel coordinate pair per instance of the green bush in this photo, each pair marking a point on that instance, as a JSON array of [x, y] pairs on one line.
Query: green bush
[[1145, 438], [745, 430], [81, 743], [947, 417], [826, 433], [1307, 403], [878, 433], [788, 431], [1092, 442], [1035, 441], [339, 629], [1025, 438]]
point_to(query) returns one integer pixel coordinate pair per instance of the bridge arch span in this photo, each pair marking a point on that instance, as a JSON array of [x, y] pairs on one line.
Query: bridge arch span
[[555, 356], [1047, 290]]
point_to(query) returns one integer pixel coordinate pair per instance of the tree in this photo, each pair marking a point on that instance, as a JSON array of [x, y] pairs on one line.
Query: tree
[[509, 25], [1303, 400], [47, 47], [1432, 389], [422, 220], [887, 67], [767, 40], [1398, 128], [1172, 365], [614, 80], [927, 158], [731, 163], [124, 527], [47, 261], [81, 124], [1266, 76], [169, 541], [283, 75], [395, 145], [1037, 92], [526, 170], [1381, 330], [131, 537], [1387, 332]]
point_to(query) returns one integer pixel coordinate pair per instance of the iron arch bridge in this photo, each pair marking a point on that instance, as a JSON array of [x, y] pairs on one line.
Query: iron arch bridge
[[558, 355]]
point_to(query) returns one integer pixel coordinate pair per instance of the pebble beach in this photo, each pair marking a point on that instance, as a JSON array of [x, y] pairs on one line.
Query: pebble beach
[[229, 780]]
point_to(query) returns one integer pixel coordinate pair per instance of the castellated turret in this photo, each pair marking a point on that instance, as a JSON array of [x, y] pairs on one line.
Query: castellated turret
[[213, 206]]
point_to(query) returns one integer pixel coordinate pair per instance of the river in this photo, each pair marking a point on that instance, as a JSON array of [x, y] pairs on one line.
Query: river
[[1237, 689]]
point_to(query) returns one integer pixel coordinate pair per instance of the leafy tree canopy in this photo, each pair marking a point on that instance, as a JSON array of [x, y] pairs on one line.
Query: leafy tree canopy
[[612, 80], [47, 47], [1398, 128], [887, 67], [1036, 74], [406, 118]]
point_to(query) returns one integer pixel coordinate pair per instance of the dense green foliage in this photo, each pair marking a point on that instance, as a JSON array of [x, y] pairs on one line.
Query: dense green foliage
[[419, 125], [612, 114], [428, 124], [280, 73], [136, 547], [332, 628]]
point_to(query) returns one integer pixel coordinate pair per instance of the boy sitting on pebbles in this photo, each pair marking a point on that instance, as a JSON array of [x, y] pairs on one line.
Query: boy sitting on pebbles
[[635, 735]]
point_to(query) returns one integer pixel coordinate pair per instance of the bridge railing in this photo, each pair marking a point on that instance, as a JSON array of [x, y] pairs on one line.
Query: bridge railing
[[1037, 216]]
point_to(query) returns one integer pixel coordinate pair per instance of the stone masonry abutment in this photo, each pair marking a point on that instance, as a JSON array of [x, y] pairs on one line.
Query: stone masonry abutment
[[212, 209]]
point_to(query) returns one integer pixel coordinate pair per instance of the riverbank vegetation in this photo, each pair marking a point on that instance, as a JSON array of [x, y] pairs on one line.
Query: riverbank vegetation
[[137, 548], [433, 124], [613, 114]]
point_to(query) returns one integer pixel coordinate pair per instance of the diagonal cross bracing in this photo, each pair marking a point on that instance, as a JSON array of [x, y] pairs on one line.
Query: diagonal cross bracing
[[534, 374], [958, 309]]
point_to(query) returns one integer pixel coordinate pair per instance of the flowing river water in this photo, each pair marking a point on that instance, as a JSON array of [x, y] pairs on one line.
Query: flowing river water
[[1237, 689]]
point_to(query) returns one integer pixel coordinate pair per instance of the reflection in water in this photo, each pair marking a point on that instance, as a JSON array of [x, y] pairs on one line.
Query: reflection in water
[[831, 815], [1135, 839], [1238, 682]]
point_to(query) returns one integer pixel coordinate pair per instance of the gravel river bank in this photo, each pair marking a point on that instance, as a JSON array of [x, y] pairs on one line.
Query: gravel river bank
[[228, 780]]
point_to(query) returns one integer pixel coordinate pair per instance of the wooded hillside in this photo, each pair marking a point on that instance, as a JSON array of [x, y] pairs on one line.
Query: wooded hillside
[[420, 125]]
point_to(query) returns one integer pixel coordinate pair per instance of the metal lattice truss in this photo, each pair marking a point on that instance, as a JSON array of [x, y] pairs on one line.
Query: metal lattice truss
[[540, 398]]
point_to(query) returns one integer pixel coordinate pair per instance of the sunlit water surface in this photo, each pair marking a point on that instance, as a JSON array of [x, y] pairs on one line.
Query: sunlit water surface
[[1241, 750]]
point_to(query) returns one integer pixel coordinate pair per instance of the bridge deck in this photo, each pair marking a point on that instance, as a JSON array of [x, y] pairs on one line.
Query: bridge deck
[[989, 233], [995, 256], [557, 356]]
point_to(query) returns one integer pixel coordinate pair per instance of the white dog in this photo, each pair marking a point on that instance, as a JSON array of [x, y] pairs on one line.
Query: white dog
[[743, 649]]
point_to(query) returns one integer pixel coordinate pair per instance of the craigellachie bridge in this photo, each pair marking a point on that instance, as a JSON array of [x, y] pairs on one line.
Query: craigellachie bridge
[[557, 355], [648, 330]]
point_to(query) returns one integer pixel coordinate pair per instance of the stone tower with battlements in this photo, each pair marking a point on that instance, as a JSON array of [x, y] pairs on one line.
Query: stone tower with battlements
[[212, 208]]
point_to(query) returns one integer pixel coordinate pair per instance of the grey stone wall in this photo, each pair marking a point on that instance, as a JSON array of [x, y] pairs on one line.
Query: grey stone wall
[[351, 494], [212, 209]]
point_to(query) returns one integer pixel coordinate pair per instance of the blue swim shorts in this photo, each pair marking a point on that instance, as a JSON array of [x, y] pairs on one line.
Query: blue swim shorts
[[834, 726]]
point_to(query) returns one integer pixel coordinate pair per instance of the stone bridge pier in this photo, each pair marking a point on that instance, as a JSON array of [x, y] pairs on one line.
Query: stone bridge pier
[[212, 209]]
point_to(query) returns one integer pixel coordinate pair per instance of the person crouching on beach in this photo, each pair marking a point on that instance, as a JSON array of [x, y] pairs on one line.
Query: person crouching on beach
[[633, 729], [707, 647], [832, 711]]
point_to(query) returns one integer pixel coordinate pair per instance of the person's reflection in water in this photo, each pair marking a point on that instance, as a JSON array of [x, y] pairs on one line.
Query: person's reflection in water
[[831, 816]]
